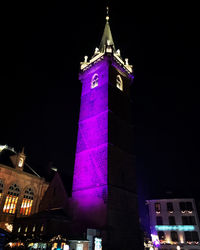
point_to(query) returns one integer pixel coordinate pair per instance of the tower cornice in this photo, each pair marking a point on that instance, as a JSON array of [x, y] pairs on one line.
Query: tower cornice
[[114, 58]]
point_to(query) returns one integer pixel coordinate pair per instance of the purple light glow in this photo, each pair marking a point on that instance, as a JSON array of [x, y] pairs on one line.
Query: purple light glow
[[90, 181], [155, 240], [90, 171]]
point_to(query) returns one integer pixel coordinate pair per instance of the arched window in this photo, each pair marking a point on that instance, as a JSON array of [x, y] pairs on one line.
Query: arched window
[[1, 189], [27, 202], [161, 236], [119, 82], [159, 220], [174, 236], [95, 80], [11, 199]]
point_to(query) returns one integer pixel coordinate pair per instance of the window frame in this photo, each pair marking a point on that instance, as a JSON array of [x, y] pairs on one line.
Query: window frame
[[170, 207], [11, 200], [159, 220], [94, 81], [176, 238], [157, 207], [119, 82], [172, 220], [27, 202]]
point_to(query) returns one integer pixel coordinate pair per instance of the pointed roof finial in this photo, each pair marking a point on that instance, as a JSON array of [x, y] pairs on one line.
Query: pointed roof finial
[[22, 150], [107, 13], [107, 35]]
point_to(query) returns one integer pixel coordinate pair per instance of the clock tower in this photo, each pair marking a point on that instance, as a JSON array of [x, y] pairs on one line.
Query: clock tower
[[104, 182]]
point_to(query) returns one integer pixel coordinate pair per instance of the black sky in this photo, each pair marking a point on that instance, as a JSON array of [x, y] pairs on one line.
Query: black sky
[[41, 48]]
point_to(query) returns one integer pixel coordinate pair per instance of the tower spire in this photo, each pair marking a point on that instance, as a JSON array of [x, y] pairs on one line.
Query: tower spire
[[107, 35]]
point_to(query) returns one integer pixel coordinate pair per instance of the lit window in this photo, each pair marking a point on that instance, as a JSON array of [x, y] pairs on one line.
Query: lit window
[[119, 82], [42, 228], [95, 80], [11, 199], [170, 208], [33, 228], [186, 207], [182, 206], [189, 206], [191, 236], [26, 229], [19, 229], [157, 208], [27, 202], [1, 189], [161, 236], [21, 161]]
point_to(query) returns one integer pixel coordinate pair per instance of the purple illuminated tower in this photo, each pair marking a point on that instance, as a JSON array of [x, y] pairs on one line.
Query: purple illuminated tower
[[104, 185]]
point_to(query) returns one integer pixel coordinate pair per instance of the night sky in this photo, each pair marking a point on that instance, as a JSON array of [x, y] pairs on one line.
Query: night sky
[[42, 46]]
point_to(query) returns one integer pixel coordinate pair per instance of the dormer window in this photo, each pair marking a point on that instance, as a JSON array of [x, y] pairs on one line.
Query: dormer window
[[21, 161], [95, 80], [119, 82]]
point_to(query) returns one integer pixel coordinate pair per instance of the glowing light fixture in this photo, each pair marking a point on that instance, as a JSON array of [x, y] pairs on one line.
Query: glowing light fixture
[[155, 240], [9, 227]]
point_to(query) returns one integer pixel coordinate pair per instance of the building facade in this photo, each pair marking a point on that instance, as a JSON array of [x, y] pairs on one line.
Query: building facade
[[21, 188], [174, 224], [104, 182]]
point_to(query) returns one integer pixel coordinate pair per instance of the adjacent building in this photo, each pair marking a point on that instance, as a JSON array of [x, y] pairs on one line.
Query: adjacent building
[[21, 188], [174, 224]]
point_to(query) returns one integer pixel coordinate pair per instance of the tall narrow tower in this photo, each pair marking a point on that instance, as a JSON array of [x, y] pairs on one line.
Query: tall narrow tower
[[104, 185]]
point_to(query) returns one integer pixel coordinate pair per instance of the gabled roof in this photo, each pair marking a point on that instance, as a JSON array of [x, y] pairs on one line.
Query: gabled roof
[[55, 196], [8, 156]]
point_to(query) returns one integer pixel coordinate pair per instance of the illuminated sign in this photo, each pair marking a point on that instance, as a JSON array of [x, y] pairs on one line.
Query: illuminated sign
[[97, 243], [175, 228]]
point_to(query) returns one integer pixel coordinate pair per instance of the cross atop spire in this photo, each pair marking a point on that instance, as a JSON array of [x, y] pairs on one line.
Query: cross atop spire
[[107, 12], [107, 35]]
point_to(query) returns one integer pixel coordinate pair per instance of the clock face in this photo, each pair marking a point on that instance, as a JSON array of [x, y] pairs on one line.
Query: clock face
[[119, 82]]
